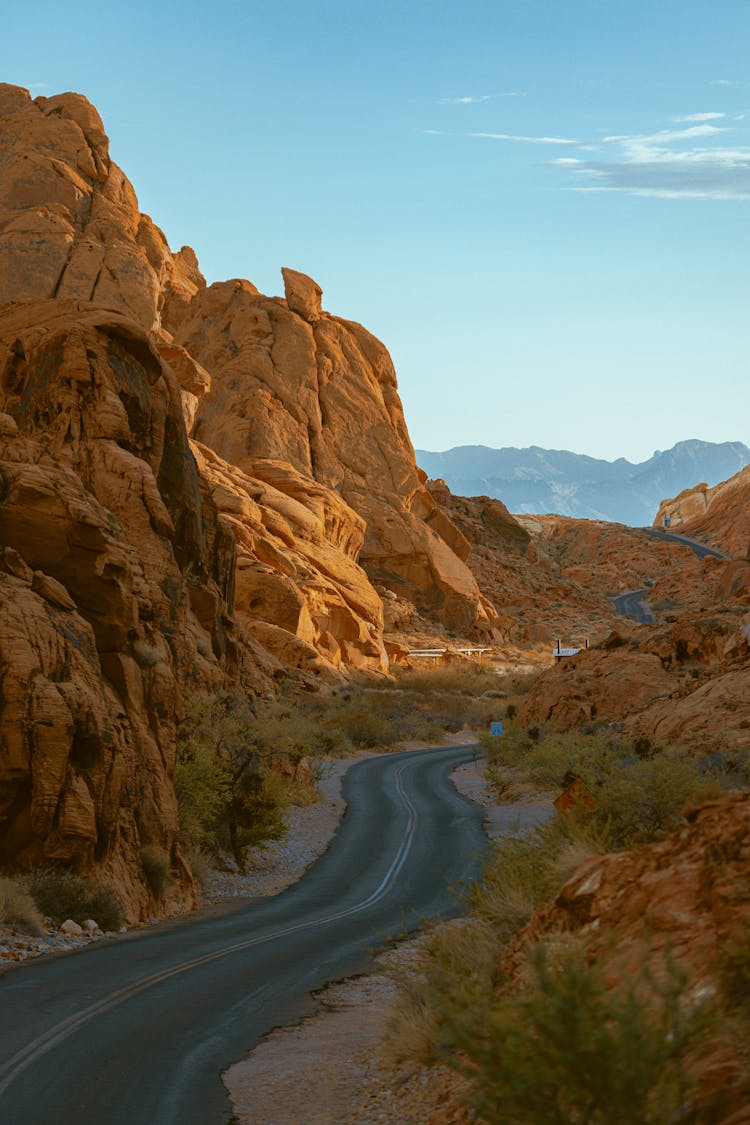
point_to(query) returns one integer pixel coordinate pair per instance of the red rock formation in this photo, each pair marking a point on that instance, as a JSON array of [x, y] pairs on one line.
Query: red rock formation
[[717, 516], [686, 681], [292, 383], [675, 900], [555, 577], [69, 220], [115, 578]]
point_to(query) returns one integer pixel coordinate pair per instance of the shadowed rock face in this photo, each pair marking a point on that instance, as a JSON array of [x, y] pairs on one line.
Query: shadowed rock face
[[107, 546]]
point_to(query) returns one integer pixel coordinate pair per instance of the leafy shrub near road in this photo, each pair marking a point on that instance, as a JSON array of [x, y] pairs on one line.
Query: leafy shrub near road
[[18, 909], [227, 795], [639, 793], [571, 1048], [61, 895], [227, 778], [155, 863]]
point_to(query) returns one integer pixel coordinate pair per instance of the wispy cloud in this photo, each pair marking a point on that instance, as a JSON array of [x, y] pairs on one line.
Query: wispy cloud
[[529, 140], [38, 86], [722, 82], [652, 164], [700, 117], [473, 99], [665, 136]]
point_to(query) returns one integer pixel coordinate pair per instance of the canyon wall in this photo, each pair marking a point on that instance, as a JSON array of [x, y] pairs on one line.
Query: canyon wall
[[198, 487]]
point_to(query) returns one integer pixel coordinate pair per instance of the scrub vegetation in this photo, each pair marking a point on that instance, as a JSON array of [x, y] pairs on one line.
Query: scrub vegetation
[[240, 764], [567, 1046]]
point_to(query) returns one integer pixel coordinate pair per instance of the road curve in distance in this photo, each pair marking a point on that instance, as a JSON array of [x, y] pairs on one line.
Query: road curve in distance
[[632, 604], [138, 1031], [698, 548]]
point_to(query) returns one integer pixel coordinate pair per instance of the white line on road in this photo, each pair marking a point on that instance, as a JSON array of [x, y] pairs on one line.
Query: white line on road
[[33, 1051]]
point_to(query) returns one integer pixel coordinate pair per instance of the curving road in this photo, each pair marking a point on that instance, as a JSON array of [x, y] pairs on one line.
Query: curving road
[[137, 1031], [632, 603], [698, 548]]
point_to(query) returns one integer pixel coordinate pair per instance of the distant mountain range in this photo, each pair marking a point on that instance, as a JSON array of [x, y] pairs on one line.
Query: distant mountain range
[[536, 480]]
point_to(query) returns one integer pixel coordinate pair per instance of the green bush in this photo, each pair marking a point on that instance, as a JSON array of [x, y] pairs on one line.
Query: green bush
[[640, 792], [227, 794], [61, 895], [571, 1049], [156, 867], [18, 909]]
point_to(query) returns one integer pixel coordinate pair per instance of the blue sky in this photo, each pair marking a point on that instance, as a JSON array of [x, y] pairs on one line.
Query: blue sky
[[541, 207]]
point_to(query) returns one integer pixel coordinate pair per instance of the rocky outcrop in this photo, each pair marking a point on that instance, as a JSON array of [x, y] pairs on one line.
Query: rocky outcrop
[[117, 589], [674, 902], [292, 383], [299, 590], [717, 516], [686, 681], [70, 226], [554, 577], [136, 564]]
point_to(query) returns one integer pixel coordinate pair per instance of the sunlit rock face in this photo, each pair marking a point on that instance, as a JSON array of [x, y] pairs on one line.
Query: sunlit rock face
[[717, 516], [292, 383]]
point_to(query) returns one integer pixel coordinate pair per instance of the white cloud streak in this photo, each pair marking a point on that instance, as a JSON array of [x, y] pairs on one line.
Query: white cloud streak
[[646, 164], [474, 99], [700, 117], [528, 140]]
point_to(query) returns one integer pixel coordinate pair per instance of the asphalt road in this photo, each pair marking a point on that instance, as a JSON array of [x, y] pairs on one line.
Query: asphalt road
[[698, 548], [631, 603], [137, 1031]]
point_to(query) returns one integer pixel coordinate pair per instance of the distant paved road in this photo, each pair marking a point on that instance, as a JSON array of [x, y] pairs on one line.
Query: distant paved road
[[137, 1031], [632, 603], [698, 548]]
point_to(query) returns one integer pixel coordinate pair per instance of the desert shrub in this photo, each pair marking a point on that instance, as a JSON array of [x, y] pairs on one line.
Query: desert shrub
[[643, 801], [452, 959], [155, 863], [572, 1049], [459, 960], [366, 726], [18, 909], [146, 654], [227, 794], [471, 678], [61, 895], [254, 814], [638, 798], [523, 872]]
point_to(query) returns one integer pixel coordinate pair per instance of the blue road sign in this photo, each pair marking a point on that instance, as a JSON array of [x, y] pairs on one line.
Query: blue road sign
[[496, 729]]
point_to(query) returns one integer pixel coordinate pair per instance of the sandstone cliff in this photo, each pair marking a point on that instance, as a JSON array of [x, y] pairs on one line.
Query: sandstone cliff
[[717, 516], [137, 563], [292, 383]]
